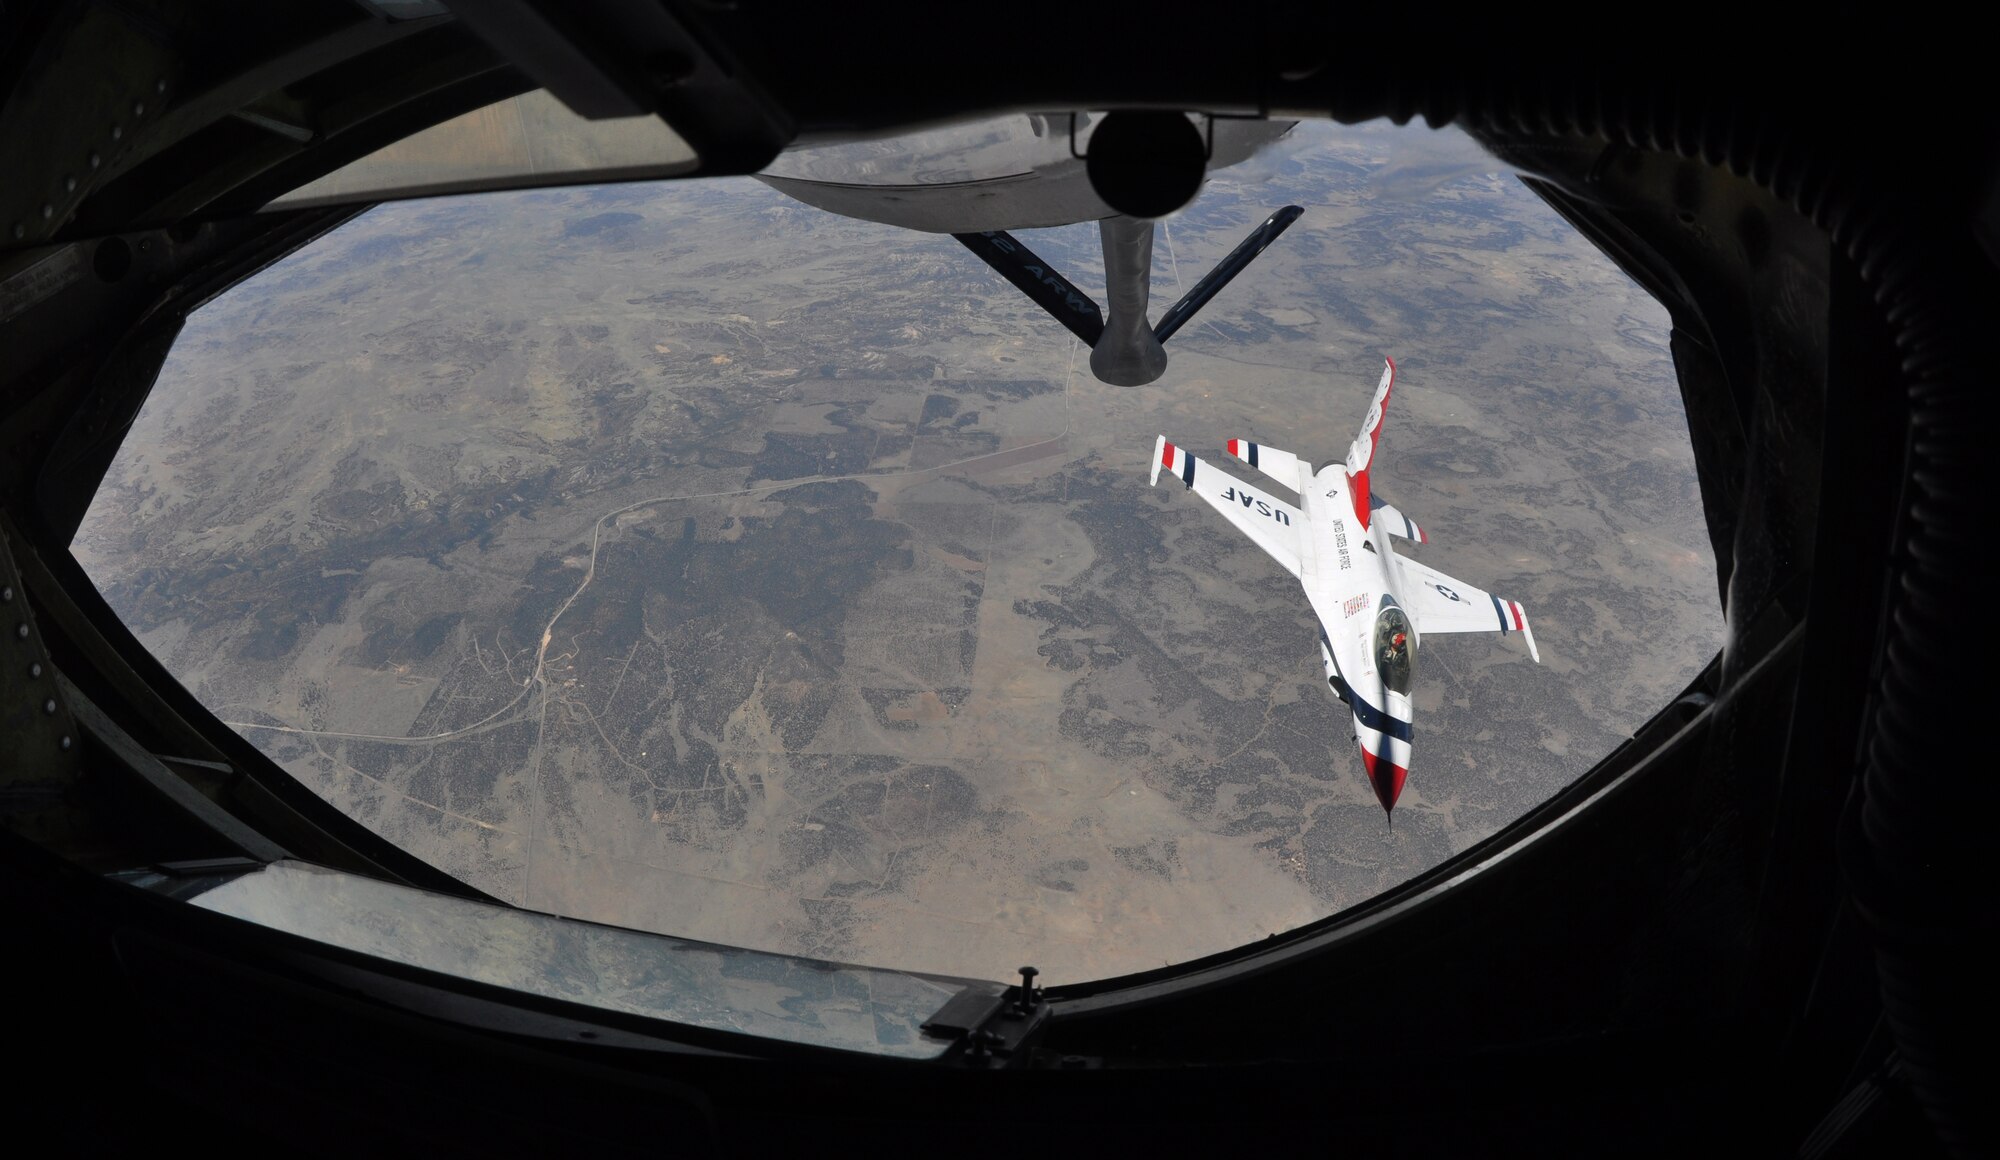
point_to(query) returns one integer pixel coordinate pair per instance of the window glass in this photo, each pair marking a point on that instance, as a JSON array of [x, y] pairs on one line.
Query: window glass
[[527, 140], [685, 557], [719, 988]]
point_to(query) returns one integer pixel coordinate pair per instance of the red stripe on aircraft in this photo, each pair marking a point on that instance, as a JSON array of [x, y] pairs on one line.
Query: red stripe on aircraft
[[1516, 609], [1385, 776], [1167, 456], [1233, 444]]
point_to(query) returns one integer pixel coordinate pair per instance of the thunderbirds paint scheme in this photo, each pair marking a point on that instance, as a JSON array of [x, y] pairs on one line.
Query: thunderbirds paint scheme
[[1374, 607]]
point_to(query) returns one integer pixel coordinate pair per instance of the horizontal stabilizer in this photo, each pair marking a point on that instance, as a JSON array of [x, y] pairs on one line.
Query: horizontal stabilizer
[[1527, 634], [1039, 281], [1395, 522], [1212, 283], [1282, 466]]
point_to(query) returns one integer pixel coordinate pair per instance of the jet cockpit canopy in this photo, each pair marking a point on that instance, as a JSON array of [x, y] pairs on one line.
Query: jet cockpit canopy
[[1395, 641]]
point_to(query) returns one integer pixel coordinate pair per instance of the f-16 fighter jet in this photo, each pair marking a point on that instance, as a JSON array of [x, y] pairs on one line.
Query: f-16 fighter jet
[[1374, 606]]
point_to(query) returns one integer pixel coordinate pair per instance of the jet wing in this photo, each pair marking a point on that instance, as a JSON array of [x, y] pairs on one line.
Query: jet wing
[[1271, 523], [1440, 603]]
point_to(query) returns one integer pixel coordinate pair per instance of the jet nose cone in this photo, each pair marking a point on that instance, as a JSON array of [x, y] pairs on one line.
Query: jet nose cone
[[1387, 777]]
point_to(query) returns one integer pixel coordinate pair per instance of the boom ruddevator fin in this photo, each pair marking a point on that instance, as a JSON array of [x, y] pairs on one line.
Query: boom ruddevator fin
[[1079, 312], [1211, 284], [1039, 281]]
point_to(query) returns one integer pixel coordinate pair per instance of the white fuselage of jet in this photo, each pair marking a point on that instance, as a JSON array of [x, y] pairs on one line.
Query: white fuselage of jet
[[1373, 606], [1345, 569]]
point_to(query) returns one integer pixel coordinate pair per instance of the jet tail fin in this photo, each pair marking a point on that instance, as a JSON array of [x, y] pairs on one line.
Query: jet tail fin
[[1362, 452], [1212, 283], [1039, 281]]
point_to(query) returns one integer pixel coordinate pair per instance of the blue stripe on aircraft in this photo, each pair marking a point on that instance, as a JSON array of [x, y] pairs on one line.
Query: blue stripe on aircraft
[[1499, 612], [1377, 720], [1253, 455], [1187, 473]]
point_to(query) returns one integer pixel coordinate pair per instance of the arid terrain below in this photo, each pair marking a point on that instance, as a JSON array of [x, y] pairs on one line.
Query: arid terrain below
[[682, 557]]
